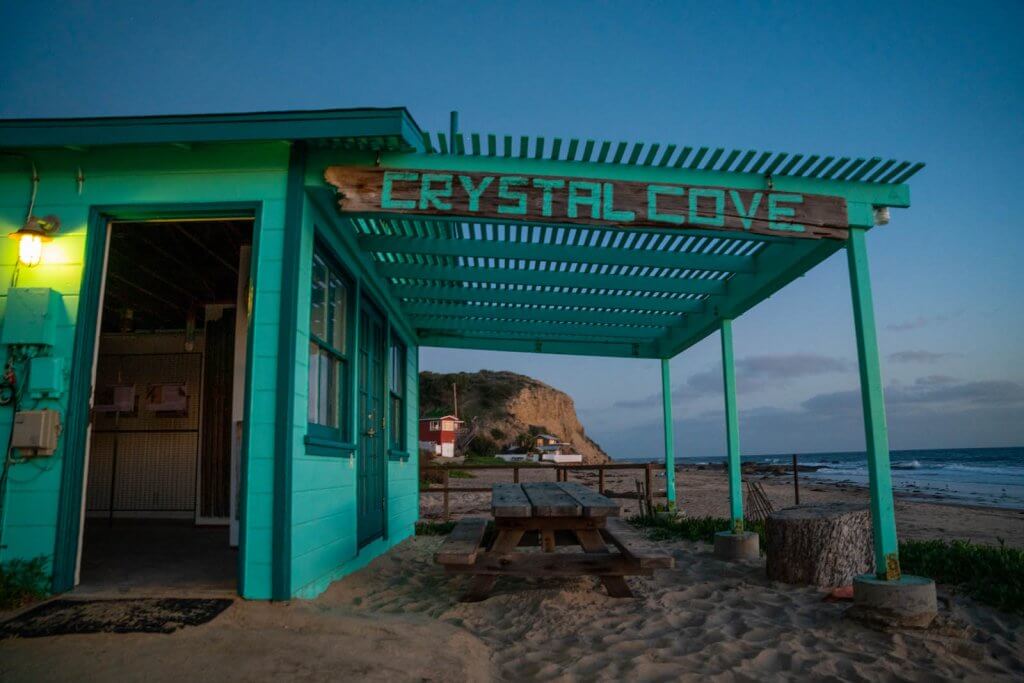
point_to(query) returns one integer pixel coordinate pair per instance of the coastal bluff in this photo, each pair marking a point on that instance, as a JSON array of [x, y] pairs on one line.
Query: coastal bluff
[[506, 406]]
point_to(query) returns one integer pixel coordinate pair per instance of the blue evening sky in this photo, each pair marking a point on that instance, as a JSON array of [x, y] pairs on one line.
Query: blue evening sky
[[938, 82]]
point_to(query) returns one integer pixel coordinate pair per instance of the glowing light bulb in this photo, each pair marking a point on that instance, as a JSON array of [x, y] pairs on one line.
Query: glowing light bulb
[[30, 249]]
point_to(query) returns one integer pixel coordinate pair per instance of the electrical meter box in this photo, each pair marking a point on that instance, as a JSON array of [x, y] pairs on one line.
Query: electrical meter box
[[35, 432], [31, 316], [46, 377]]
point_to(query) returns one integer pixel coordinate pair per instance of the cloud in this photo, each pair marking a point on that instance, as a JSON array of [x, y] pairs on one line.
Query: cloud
[[753, 374], [921, 356], [933, 380], [921, 321], [1002, 392], [924, 393], [933, 411], [790, 365], [645, 402]]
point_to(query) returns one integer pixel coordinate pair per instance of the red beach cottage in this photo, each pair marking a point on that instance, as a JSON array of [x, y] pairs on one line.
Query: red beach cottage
[[437, 434]]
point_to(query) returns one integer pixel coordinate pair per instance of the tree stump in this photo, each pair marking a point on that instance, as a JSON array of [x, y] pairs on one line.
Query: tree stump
[[820, 545]]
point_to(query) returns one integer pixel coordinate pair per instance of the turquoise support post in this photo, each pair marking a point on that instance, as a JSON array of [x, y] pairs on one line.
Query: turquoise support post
[[883, 519], [670, 449], [732, 430]]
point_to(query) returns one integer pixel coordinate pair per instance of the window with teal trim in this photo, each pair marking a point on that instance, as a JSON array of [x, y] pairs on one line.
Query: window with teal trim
[[397, 396], [329, 369]]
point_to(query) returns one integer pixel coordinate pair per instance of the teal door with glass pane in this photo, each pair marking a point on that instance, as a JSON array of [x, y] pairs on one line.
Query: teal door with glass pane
[[372, 462]]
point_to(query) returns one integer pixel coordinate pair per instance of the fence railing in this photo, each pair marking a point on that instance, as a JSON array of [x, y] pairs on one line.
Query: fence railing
[[561, 473]]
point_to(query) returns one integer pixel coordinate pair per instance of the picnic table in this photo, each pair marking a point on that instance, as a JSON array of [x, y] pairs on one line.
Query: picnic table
[[546, 515]]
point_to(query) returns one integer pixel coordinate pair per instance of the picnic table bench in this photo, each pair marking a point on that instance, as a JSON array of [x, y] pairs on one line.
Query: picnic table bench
[[548, 514]]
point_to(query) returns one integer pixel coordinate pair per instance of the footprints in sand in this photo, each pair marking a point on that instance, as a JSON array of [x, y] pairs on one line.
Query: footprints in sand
[[704, 619]]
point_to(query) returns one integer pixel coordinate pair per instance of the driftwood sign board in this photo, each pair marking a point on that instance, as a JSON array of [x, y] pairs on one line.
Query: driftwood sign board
[[586, 201]]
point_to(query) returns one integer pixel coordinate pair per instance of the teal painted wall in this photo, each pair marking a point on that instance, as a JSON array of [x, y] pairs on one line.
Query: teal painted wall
[[324, 542], [137, 176], [323, 510]]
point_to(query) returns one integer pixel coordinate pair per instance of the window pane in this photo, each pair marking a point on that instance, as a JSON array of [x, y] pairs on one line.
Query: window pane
[[314, 384], [318, 300], [323, 406], [340, 382], [329, 389], [397, 383], [339, 319], [396, 423]]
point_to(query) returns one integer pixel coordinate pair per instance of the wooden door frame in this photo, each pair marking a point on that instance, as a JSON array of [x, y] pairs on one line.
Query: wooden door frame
[[70, 517]]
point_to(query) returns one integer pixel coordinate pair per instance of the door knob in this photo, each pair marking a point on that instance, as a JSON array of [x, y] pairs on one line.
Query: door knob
[[371, 432]]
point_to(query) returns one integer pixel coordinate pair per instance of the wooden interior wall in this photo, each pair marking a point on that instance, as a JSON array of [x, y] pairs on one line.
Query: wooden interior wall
[[218, 380], [142, 464]]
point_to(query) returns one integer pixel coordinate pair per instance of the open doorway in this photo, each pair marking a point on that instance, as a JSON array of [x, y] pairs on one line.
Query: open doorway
[[162, 467]]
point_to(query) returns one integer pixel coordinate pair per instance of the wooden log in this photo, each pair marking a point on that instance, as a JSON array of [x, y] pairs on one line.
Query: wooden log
[[819, 545]]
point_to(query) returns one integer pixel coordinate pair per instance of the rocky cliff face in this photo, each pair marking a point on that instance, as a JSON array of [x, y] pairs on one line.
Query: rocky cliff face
[[507, 408]]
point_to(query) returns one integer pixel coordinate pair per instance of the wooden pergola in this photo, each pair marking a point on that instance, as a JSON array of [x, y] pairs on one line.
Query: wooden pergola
[[622, 250]]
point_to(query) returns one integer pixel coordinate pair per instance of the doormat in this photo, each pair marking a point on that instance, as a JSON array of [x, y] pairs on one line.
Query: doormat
[[135, 615]]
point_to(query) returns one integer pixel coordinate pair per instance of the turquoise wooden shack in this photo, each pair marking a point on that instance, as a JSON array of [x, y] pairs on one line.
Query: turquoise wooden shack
[[355, 238]]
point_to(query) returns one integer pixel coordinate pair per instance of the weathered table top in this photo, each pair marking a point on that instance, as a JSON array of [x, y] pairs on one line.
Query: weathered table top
[[550, 499]]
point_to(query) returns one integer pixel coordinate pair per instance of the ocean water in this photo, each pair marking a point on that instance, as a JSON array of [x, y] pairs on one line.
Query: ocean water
[[976, 476]]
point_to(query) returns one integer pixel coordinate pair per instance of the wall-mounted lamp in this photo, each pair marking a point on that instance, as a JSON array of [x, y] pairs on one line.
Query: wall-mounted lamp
[[31, 237]]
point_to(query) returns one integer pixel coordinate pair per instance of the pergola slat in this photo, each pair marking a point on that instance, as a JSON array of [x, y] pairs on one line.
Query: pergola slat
[[557, 253], [618, 348], [615, 317], [645, 283], [540, 328], [550, 298], [777, 163]]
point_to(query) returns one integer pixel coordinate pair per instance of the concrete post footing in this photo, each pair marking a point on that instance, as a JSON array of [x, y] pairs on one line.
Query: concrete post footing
[[734, 547], [907, 602]]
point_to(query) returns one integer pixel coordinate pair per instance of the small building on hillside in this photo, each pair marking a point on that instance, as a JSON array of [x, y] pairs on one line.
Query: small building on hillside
[[437, 435], [542, 440], [559, 453]]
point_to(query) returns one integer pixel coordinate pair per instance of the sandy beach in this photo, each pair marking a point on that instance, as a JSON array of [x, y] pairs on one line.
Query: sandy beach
[[399, 619], [704, 492]]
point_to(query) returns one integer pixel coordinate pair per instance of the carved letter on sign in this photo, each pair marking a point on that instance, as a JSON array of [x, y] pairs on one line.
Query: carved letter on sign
[[587, 201]]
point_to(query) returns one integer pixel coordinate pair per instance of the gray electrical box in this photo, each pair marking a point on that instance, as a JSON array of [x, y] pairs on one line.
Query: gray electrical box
[[35, 432]]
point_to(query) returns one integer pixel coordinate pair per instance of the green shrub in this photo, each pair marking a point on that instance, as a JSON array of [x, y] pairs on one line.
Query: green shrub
[[691, 528], [434, 528], [460, 474], [22, 581], [482, 445], [497, 434], [992, 574]]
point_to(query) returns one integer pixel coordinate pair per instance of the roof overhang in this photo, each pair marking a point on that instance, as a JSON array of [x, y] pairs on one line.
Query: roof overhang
[[614, 283], [388, 129]]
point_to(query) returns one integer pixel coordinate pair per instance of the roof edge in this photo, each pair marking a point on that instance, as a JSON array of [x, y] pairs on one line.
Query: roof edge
[[323, 124]]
